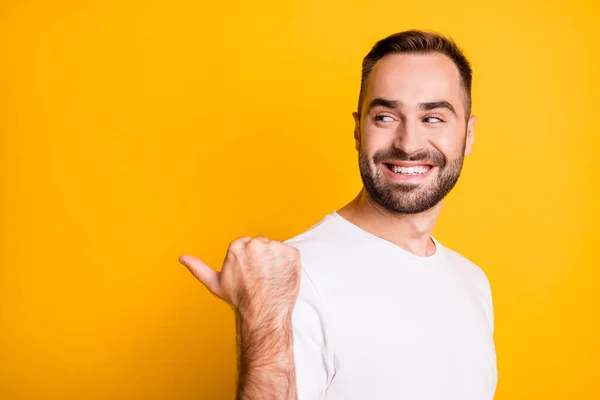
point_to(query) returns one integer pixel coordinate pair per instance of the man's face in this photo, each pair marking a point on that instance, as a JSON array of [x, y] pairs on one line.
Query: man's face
[[412, 134]]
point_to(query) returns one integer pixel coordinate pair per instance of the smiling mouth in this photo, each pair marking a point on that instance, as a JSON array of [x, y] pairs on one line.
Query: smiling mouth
[[409, 171]]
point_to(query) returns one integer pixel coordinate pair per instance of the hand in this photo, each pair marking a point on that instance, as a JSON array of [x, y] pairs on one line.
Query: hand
[[260, 278]]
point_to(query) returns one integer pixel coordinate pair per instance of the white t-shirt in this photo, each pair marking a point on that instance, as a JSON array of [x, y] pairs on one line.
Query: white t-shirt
[[376, 322]]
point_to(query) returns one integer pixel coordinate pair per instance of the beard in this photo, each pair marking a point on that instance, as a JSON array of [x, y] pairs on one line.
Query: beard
[[407, 198]]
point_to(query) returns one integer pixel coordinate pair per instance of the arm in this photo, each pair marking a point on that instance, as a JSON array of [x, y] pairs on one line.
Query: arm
[[283, 360], [265, 361], [260, 280]]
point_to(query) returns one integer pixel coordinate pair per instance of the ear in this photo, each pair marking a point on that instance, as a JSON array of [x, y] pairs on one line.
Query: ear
[[470, 134], [356, 130]]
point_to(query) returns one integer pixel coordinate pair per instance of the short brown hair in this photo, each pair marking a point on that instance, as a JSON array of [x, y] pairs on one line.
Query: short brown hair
[[416, 41]]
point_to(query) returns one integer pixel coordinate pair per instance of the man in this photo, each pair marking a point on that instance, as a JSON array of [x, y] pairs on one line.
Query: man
[[367, 304]]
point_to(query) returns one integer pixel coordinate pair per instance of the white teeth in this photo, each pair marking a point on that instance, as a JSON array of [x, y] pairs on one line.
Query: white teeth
[[418, 170]]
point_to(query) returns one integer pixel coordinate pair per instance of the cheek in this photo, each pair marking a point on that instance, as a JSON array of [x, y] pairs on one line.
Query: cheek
[[449, 143], [374, 139]]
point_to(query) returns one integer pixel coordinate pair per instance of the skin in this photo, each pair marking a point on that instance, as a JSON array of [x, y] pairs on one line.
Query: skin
[[260, 277], [408, 80]]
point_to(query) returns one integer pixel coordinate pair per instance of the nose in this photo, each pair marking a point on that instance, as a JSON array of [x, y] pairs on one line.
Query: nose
[[409, 138]]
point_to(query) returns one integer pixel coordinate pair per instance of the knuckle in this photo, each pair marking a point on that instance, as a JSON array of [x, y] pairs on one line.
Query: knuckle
[[278, 246], [233, 244], [255, 243], [238, 243], [255, 247], [292, 252]]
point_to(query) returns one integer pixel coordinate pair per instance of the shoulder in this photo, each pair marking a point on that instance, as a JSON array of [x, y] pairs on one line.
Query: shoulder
[[468, 269], [313, 235], [319, 242], [324, 251]]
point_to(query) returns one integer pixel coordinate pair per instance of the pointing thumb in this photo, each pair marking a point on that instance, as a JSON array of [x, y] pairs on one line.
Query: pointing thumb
[[205, 274]]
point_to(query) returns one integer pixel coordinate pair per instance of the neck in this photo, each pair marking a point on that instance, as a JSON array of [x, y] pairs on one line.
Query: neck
[[411, 232]]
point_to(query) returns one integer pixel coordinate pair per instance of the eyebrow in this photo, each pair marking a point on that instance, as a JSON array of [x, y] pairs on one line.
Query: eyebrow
[[432, 105], [426, 106], [381, 102]]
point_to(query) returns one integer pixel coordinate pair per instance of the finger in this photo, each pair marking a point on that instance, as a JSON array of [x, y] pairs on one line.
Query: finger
[[238, 244], [205, 274], [263, 239]]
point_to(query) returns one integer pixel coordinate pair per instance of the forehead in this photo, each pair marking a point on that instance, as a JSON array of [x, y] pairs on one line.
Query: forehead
[[414, 78]]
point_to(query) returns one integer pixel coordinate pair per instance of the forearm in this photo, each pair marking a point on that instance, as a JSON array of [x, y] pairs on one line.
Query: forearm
[[266, 360]]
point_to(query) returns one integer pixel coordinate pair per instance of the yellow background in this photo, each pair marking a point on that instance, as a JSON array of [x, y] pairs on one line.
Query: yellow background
[[133, 132]]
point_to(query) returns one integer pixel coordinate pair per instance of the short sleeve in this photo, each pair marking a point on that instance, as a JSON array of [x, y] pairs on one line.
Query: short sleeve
[[491, 300], [313, 356]]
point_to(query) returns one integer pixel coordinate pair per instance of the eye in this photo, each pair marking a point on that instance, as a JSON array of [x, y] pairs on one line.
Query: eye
[[383, 118], [432, 120]]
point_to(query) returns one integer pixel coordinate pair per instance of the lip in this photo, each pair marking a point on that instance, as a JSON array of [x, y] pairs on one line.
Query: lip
[[408, 178], [408, 164]]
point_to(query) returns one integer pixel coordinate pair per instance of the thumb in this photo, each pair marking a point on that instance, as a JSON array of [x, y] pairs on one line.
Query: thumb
[[205, 274]]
